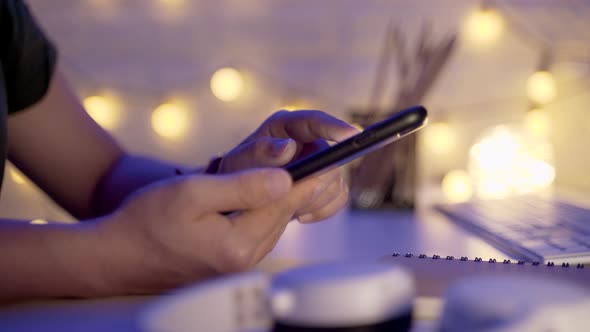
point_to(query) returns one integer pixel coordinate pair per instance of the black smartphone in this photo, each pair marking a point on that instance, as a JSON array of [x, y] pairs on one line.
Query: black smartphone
[[372, 138]]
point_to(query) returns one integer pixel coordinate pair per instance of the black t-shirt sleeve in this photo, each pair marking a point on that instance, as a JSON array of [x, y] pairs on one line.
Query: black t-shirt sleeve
[[27, 56]]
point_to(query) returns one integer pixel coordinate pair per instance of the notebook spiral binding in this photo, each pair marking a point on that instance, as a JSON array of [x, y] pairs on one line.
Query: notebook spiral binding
[[491, 260]]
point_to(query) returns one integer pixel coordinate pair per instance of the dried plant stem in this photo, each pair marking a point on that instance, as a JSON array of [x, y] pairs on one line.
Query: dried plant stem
[[393, 168]]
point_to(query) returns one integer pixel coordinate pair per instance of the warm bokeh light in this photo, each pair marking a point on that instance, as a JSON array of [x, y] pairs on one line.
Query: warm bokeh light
[[456, 186], [542, 174], [537, 123], [503, 163], [171, 120], [483, 26], [295, 106], [439, 137], [541, 87], [104, 109], [227, 84], [17, 176], [172, 3], [171, 11], [357, 126], [38, 222]]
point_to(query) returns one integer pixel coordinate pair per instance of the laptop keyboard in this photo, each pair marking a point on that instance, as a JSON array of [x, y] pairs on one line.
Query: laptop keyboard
[[535, 228]]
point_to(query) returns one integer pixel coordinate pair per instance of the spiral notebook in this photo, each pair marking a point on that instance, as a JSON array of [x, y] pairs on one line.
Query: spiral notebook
[[434, 274]]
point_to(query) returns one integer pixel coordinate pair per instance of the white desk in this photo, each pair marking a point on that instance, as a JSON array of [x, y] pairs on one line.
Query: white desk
[[349, 235]]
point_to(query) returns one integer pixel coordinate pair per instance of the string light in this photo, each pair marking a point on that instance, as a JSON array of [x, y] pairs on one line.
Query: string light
[[172, 3], [295, 105], [170, 120], [541, 87], [104, 109], [227, 84], [38, 222], [536, 123], [483, 26], [503, 163], [16, 176], [439, 137], [542, 174], [456, 186], [170, 11]]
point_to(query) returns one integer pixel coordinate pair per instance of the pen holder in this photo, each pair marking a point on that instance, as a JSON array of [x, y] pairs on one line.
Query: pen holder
[[386, 178]]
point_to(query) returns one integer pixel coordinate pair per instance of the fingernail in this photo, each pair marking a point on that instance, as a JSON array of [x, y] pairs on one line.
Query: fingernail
[[279, 145], [277, 183], [305, 218]]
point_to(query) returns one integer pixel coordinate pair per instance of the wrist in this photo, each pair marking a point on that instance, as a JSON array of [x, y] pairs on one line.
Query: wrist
[[125, 258], [73, 264]]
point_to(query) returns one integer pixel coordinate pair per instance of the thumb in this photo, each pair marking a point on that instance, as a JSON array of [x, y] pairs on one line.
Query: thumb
[[239, 191], [261, 152]]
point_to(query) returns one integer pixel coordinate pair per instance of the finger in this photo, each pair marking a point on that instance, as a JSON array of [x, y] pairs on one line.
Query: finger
[[323, 198], [255, 225], [240, 191], [327, 211], [259, 152], [268, 244], [320, 184], [311, 148], [307, 126]]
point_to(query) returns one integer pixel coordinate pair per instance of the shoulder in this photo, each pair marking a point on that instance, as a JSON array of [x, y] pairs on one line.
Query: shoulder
[[27, 55]]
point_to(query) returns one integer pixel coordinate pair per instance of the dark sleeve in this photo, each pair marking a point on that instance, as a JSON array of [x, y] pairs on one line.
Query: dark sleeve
[[27, 56]]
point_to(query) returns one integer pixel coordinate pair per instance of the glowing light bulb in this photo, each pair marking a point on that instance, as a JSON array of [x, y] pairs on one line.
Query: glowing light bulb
[[170, 11], [542, 174], [483, 27], [172, 3], [227, 84], [38, 222], [440, 138], [170, 121], [16, 176], [496, 151], [104, 110], [541, 87], [503, 163], [536, 123], [456, 186]]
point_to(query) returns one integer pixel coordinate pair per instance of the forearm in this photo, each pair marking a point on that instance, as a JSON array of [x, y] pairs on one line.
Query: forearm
[[57, 260], [98, 258], [128, 174]]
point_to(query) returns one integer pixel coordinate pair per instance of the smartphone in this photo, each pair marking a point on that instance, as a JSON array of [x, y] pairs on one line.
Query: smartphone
[[372, 138]]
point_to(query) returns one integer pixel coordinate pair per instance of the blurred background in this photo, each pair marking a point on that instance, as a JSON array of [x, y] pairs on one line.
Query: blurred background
[[186, 80]]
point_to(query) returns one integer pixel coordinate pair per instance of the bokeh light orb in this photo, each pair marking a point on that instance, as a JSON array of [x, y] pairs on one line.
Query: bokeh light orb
[[439, 137], [504, 162], [456, 186], [17, 176], [483, 27], [541, 87], [171, 121], [537, 123], [105, 110], [227, 84]]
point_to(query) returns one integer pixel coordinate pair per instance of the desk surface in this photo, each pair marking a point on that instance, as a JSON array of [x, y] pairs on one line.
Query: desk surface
[[348, 235]]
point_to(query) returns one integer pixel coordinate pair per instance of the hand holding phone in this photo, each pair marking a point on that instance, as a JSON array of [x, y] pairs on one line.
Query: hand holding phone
[[372, 138]]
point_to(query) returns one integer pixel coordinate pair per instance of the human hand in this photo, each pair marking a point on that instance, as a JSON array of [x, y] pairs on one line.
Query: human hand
[[289, 136], [171, 232]]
